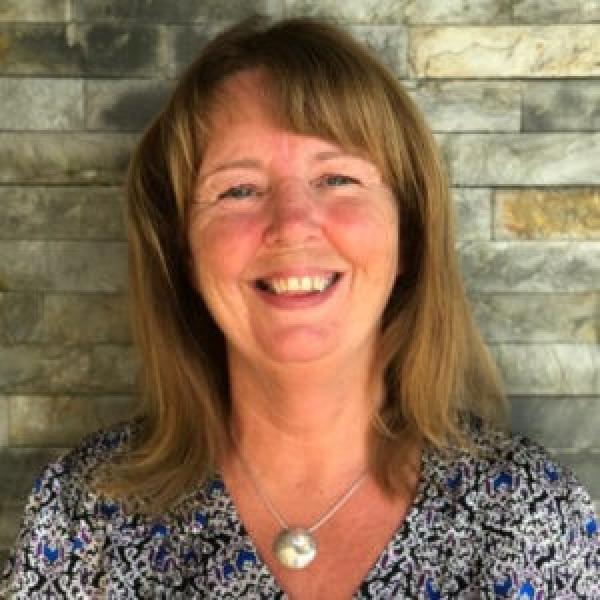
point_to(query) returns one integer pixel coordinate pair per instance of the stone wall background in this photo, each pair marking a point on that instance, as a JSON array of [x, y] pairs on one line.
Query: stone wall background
[[512, 90]]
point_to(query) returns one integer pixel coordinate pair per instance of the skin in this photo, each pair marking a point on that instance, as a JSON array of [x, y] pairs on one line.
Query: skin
[[271, 201]]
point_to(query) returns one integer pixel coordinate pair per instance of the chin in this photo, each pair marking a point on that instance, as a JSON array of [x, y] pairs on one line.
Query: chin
[[299, 346]]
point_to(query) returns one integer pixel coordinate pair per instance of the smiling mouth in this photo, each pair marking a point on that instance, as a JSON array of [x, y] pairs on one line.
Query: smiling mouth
[[296, 286]]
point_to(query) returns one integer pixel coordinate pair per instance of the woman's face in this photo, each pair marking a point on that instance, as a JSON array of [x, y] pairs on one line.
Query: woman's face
[[293, 239]]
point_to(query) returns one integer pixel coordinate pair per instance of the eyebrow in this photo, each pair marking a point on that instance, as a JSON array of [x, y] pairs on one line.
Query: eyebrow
[[249, 163]]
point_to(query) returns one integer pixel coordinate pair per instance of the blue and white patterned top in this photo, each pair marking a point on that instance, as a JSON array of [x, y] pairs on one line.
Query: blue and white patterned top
[[508, 524]]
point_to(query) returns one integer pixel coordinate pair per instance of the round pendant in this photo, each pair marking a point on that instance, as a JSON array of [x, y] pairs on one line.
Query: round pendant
[[295, 548]]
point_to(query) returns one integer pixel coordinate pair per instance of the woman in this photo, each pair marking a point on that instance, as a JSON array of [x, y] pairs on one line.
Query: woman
[[320, 416]]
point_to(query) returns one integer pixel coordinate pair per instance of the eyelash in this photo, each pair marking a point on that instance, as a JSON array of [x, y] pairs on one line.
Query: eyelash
[[230, 192]]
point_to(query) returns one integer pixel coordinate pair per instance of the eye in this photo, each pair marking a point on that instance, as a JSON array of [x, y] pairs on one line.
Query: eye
[[338, 180], [239, 192]]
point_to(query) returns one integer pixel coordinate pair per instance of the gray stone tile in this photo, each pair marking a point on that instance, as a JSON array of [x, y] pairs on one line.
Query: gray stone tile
[[100, 49], [556, 11], [88, 158], [53, 213], [469, 105], [510, 159], [530, 267], [549, 369], [430, 12], [34, 10], [4, 554], [42, 104], [586, 466], [372, 12], [83, 319], [389, 42], [135, 50], [3, 422], [51, 421], [63, 266], [64, 318], [188, 41], [101, 369], [505, 51], [538, 318], [567, 423], [561, 105], [10, 523], [167, 11], [20, 316], [38, 50], [124, 105], [19, 468], [473, 213]]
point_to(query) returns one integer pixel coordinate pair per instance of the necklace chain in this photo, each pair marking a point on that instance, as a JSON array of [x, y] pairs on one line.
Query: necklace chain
[[322, 518]]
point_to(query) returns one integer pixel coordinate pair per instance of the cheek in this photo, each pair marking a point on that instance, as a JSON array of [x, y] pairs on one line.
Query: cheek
[[222, 247], [366, 233]]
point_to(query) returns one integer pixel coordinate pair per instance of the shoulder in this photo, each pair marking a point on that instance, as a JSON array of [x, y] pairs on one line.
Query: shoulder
[[533, 518], [62, 526]]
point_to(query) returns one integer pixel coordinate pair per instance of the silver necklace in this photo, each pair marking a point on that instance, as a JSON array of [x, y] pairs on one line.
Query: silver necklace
[[296, 547]]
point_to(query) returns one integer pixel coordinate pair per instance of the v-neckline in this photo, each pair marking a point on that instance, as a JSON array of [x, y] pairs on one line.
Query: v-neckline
[[415, 510]]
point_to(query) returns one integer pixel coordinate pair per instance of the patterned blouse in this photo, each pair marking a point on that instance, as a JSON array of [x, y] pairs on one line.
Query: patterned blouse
[[510, 523]]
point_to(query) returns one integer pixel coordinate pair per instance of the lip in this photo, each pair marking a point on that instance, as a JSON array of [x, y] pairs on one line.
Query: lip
[[299, 301]]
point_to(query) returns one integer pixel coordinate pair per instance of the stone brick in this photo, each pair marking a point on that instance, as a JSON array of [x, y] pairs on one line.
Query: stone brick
[[20, 316], [510, 159], [63, 266], [373, 12], [548, 214], [388, 42], [556, 11], [45, 421], [469, 105], [586, 466], [125, 105], [549, 369], [527, 267], [561, 106], [34, 10], [61, 213], [101, 49], [558, 423], [538, 318], [188, 42], [64, 318], [19, 468], [425, 12], [11, 515], [505, 51], [71, 158], [404, 11], [3, 423], [167, 11], [473, 213], [83, 319], [41, 104], [33, 369]]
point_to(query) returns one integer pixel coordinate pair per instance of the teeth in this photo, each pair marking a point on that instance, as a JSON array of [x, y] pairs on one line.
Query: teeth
[[291, 285]]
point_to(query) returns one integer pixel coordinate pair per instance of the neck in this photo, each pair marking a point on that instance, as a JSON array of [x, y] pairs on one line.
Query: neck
[[286, 420]]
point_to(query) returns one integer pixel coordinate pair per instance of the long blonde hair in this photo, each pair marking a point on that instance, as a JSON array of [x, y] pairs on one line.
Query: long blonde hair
[[437, 370]]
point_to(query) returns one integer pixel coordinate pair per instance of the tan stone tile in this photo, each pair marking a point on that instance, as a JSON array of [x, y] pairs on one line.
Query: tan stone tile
[[548, 214], [505, 51], [46, 421]]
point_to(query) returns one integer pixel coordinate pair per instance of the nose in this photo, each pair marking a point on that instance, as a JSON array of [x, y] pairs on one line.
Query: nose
[[294, 213]]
